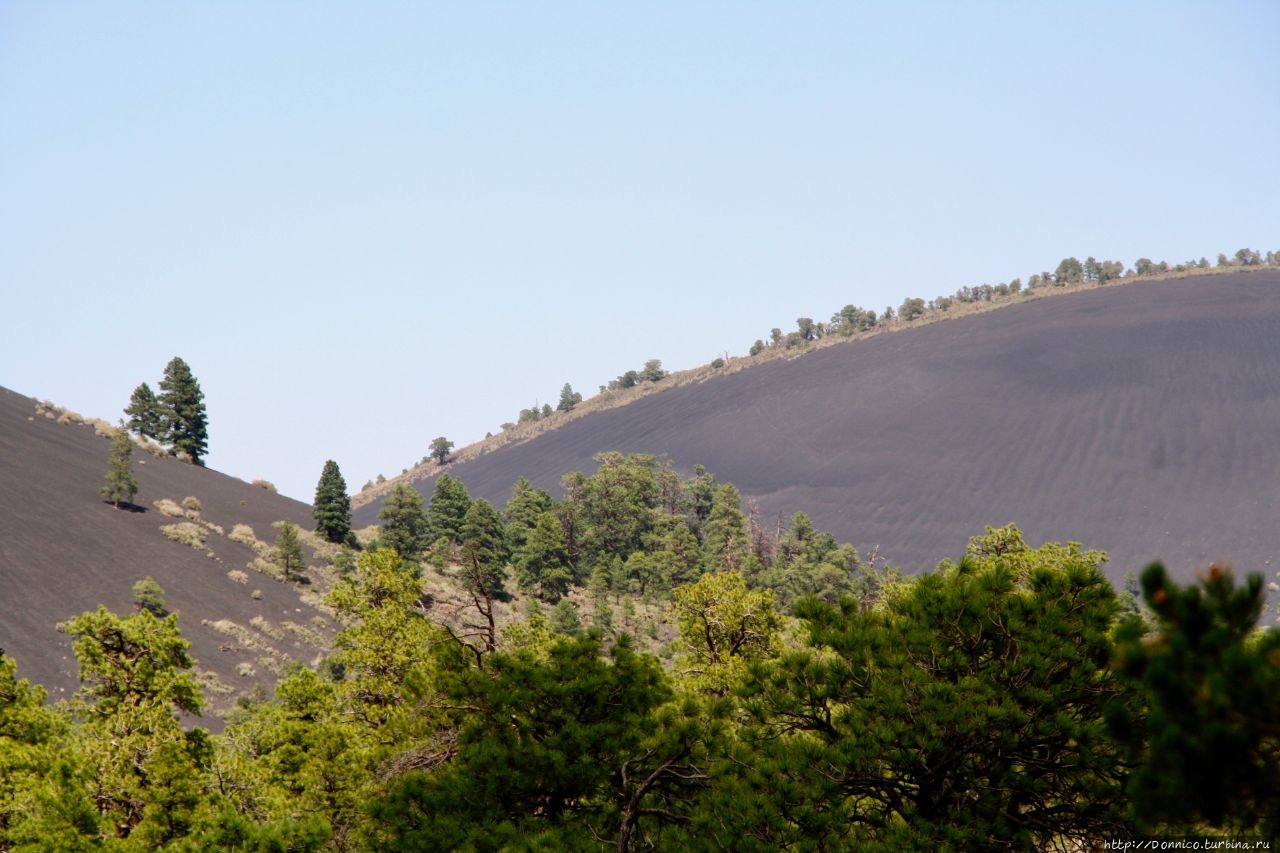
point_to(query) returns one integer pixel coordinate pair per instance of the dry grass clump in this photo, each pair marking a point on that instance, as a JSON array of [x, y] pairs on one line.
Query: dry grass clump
[[238, 576], [265, 484], [214, 528], [266, 567], [210, 683], [169, 508], [243, 534], [245, 669], [262, 625], [191, 506], [101, 427], [244, 637], [191, 535]]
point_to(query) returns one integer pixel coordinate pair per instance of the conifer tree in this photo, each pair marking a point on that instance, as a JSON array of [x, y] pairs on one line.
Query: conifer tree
[[568, 398], [121, 485], [146, 416], [440, 447], [186, 424], [404, 526], [288, 550], [449, 504], [332, 507]]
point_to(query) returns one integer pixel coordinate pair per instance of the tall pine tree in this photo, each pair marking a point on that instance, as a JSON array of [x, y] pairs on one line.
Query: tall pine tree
[[186, 424], [146, 417], [332, 507]]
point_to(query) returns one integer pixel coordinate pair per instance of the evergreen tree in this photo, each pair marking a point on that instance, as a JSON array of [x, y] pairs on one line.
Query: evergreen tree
[[568, 399], [146, 415], [448, 507], [121, 485], [149, 595], [541, 766], [967, 712], [404, 526], [1209, 742], [288, 551], [484, 568], [142, 767], [726, 530], [332, 508], [522, 511], [440, 447], [542, 559], [186, 425]]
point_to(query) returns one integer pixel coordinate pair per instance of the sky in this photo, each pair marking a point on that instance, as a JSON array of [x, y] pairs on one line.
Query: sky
[[367, 225]]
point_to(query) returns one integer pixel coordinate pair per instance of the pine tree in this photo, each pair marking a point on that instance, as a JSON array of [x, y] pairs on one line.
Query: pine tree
[[448, 507], [288, 550], [121, 485], [440, 447], [186, 424], [332, 507], [568, 398], [146, 416], [404, 526]]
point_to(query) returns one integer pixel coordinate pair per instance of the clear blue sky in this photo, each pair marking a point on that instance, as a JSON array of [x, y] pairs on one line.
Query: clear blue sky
[[366, 225]]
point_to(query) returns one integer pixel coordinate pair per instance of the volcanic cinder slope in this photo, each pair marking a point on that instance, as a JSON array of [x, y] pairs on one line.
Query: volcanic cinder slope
[[64, 551], [1141, 419]]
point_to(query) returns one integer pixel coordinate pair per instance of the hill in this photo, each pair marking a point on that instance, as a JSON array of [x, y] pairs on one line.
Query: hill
[[1140, 419], [63, 551]]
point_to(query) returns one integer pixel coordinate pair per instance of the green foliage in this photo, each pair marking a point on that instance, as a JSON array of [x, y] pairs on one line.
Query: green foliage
[[287, 553], [722, 626], [388, 638], [186, 425], [440, 447], [568, 399], [556, 745], [146, 415], [911, 308], [1209, 745], [542, 560], [1070, 271], [121, 485], [404, 525], [448, 508], [652, 371], [332, 506], [966, 712], [138, 764], [28, 733], [149, 595], [725, 530]]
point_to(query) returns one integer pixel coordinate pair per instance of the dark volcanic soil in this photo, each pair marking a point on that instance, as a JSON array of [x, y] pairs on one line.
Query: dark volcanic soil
[[1143, 420], [63, 551]]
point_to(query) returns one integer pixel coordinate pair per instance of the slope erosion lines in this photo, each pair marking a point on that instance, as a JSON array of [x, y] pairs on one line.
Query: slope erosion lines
[[1143, 420]]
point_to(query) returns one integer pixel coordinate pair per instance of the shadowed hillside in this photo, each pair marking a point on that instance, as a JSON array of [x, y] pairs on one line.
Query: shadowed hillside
[[63, 551], [1142, 419]]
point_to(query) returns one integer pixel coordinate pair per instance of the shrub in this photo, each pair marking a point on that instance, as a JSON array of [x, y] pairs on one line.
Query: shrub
[[265, 484], [191, 535], [215, 528], [169, 508], [191, 503], [243, 534], [256, 595], [717, 363], [245, 669], [238, 576], [261, 624]]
